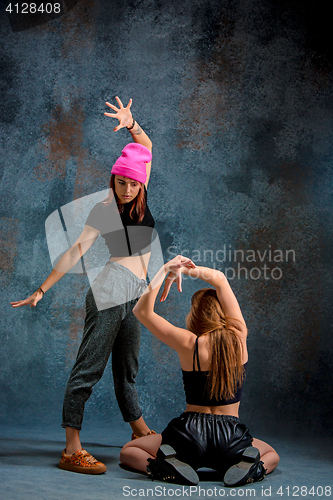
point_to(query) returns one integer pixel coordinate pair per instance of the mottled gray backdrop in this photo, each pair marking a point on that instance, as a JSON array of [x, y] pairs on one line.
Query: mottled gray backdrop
[[236, 96]]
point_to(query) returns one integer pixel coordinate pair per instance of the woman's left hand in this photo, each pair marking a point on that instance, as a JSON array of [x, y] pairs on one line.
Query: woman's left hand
[[175, 267], [124, 115]]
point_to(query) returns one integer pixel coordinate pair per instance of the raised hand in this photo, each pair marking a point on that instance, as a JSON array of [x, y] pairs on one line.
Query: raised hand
[[124, 115], [32, 300], [175, 267]]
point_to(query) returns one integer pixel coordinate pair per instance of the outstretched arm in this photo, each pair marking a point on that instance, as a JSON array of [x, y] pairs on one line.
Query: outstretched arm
[[67, 261], [126, 119]]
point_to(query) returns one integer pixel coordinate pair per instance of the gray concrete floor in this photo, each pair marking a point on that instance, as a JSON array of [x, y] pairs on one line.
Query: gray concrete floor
[[29, 458]]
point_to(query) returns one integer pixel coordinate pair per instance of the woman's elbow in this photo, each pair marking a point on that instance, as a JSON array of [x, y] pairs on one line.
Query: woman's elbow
[[141, 315], [220, 276], [137, 312]]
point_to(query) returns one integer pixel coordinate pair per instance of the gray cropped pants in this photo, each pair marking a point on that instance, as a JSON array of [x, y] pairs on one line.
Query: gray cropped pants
[[113, 330]]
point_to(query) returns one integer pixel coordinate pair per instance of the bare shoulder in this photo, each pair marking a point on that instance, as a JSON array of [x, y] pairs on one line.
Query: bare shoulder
[[237, 326], [185, 350]]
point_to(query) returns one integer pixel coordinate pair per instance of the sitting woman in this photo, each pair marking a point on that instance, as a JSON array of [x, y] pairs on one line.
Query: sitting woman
[[213, 355]]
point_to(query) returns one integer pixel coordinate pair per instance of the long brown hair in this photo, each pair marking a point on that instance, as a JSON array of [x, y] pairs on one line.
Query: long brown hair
[[207, 318], [138, 205]]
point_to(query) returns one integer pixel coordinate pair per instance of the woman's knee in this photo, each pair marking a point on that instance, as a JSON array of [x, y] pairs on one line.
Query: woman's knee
[[127, 445], [149, 444], [124, 453], [275, 459], [268, 454]]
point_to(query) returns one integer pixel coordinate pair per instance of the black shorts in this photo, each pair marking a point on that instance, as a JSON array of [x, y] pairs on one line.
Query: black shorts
[[206, 440]]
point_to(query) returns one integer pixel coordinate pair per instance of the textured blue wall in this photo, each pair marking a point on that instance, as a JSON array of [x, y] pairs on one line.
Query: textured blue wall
[[237, 98]]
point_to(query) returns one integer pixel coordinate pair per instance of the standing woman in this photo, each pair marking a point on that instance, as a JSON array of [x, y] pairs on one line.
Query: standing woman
[[113, 328], [213, 355]]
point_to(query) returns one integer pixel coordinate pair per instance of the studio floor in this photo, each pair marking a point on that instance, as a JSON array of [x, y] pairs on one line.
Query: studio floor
[[29, 458]]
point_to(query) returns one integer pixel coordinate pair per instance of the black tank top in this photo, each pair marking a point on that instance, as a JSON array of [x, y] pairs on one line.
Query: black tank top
[[123, 235], [195, 386]]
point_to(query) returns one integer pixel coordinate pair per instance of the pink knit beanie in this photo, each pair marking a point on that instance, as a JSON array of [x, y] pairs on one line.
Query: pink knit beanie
[[132, 162]]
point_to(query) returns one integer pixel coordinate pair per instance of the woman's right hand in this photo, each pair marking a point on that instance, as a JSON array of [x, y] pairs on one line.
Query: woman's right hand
[[175, 268], [124, 115], [32, 300]]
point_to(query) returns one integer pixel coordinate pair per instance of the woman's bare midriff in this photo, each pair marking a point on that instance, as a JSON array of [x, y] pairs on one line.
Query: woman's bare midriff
[[231, 410], [137, 264]]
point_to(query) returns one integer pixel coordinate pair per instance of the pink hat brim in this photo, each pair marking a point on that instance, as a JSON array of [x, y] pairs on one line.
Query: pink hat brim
[[129, 172]]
